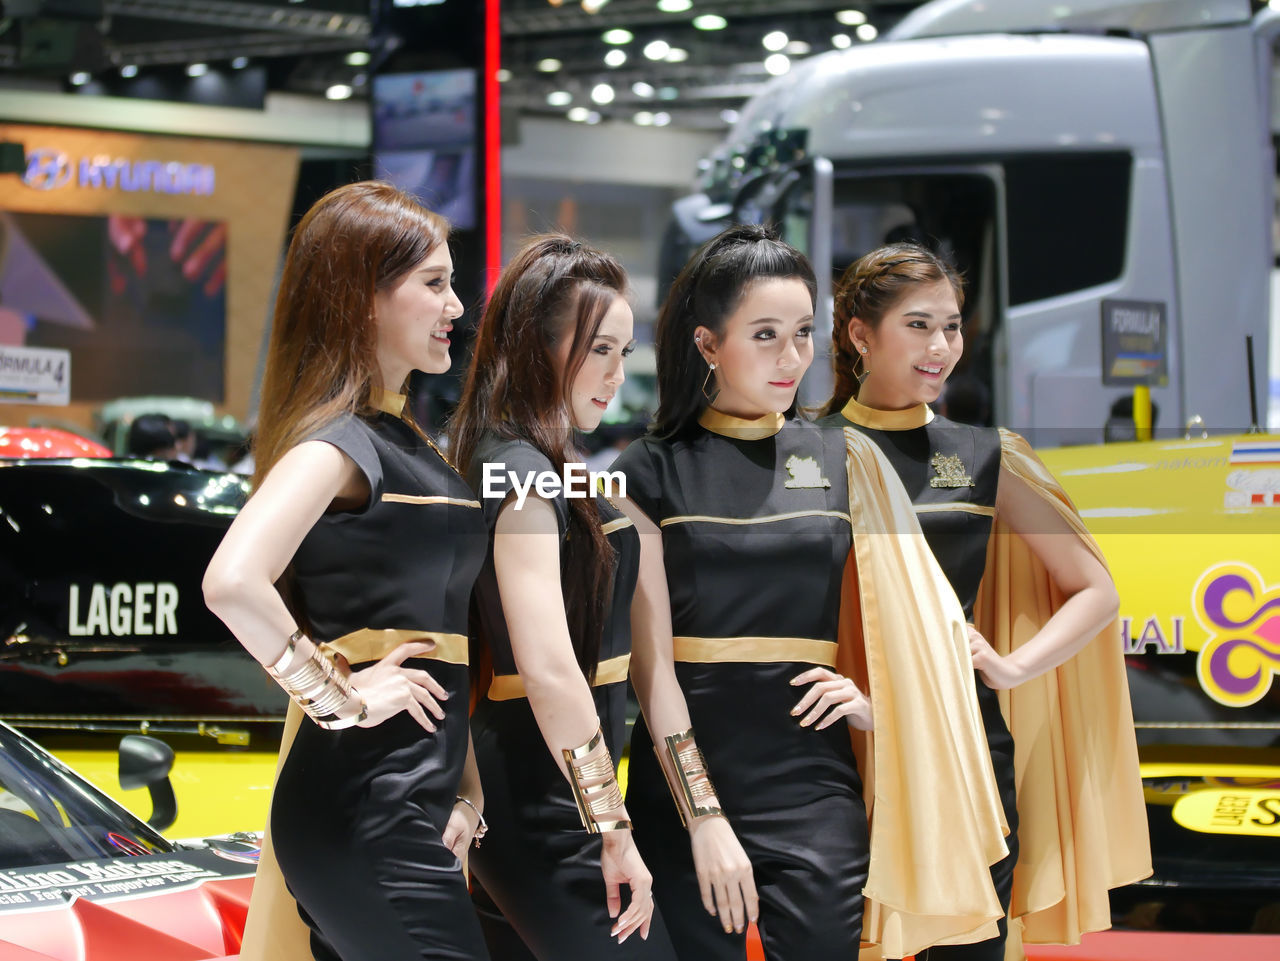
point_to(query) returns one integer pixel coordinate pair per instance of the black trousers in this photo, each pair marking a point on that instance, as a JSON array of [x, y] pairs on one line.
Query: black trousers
[[809, 862], [356, 820], [536, 885]]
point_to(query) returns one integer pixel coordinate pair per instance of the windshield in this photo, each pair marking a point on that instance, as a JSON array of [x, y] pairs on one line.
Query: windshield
[[49, 814]]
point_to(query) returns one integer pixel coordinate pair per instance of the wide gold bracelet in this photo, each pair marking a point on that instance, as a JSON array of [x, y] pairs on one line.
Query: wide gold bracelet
[[595, 786], [690, 781], [319, 685]]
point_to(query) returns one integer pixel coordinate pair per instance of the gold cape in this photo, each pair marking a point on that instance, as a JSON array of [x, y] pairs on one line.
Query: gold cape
[[274, 931], [1082, 819], [937, 824]]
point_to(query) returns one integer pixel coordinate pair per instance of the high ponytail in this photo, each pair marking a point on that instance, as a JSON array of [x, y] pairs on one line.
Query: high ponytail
[[704, 294]]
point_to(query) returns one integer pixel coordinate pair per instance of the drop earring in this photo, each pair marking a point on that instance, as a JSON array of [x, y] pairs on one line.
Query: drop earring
[[866, 371], [711, 369]]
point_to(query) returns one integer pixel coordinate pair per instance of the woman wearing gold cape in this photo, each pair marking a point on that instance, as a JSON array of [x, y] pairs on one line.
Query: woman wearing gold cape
[[1043, 634]]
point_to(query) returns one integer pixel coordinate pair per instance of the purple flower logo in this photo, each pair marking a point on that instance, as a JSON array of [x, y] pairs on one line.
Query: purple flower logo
[[1241, 615]]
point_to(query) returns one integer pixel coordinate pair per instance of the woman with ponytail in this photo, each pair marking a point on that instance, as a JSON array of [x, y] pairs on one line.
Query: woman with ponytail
[[378, 541], [743, 514], [550, 611], [1030, 577]]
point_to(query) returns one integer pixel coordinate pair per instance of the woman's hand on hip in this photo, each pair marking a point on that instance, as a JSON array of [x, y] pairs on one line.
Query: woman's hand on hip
[[725, 878], [831, 696], [389, 687]]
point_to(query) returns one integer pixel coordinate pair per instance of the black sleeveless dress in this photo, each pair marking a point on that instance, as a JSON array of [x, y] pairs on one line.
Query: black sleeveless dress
[[951, 472], [755, 534], [536, 878], [357, 814]]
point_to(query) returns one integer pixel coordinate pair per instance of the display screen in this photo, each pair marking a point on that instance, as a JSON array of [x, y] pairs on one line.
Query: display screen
[[139, 301], [424, 139]]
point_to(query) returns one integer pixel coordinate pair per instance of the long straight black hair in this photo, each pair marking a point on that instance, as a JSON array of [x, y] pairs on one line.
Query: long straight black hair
[[705, 293], [554, 289]]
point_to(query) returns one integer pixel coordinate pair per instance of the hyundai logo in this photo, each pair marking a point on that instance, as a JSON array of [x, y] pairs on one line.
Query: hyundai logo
[[47, 169]]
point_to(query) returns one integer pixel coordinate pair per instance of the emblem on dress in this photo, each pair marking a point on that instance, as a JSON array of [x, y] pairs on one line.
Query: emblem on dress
[[950, 471], [804, 472]]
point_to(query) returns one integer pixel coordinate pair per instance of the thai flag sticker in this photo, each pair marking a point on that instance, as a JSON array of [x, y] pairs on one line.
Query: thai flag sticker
[[1255, 452]]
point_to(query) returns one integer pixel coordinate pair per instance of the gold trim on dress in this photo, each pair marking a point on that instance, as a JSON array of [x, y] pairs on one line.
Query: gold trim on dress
[[740, 428], [964, 506], [387, 401], [769, 519], [432, 499], [369, 644], [615, 525], [877, 419], [754, 650], [509, 687]]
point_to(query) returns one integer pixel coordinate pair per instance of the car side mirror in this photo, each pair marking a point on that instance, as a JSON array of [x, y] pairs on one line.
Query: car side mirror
[[146, 762]]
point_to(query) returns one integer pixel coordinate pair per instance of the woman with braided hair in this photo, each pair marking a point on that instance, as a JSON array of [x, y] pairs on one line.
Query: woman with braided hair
[[756, 530], [1034, 582], [551, 612]]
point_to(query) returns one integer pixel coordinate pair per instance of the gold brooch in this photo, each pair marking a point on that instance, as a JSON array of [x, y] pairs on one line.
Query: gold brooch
[[950, 471], [804, 472]]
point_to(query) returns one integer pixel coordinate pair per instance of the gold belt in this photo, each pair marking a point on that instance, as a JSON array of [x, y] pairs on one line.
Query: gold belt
[[759, 650], [369, 644], [508, 687]]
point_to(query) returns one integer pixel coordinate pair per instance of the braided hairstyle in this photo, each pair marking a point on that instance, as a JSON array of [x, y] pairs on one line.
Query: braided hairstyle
[[871, 287], [707, 290]]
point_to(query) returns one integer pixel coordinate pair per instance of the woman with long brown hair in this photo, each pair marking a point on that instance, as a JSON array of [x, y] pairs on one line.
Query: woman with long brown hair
[[551, 610], [1024, 568], [379, 541]]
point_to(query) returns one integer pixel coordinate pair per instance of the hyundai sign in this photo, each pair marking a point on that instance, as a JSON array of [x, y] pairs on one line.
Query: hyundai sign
[[49, 169]]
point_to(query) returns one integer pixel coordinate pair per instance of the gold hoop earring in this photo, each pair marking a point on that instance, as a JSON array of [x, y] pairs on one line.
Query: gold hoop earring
[[866, 371], [711, 368]]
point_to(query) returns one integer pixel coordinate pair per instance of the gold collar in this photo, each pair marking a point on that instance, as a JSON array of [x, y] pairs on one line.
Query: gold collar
[[387, 401], [877, 419], [739, 428]]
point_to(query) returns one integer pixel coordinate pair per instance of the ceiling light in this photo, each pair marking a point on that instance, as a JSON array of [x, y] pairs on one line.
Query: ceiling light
[[578, 114], [796, 48], [643, 119], [851, 18], [775, 40], [503, 75], [867, 32], [602, 93], [617, 36], [593, 117], [661, 119], [239, 63], [197, 69], [668, 93], [129, 70], [549, 65], [559, 98], [615, 58], [777, 64], [842, 41], [677, 55], [657, 49], [339, 91], [80, 78], [729, 116], [710, 21], [642, 89], [674, 6], [357, 58], [593, 6]]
